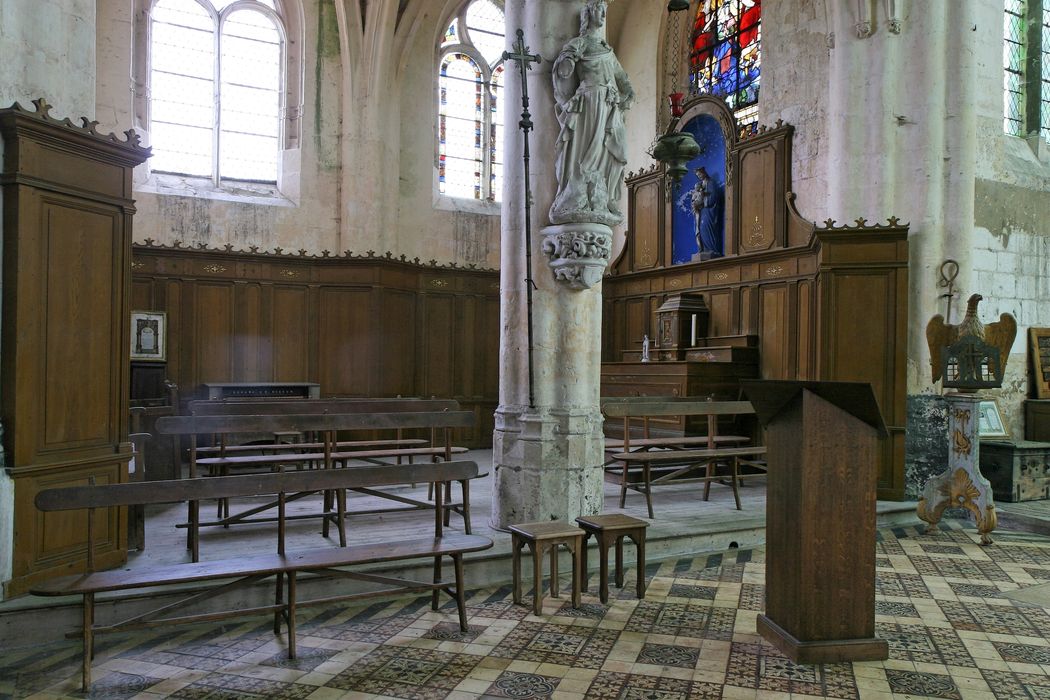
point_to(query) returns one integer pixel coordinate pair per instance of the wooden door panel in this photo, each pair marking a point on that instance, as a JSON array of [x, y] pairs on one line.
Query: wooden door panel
[[345, 348]]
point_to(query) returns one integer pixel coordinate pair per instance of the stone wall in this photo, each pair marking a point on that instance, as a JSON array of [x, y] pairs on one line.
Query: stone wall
[[48, 49], [1012, 220]]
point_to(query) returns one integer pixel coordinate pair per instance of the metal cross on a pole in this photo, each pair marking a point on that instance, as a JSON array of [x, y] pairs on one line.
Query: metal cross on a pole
[[521, 55]]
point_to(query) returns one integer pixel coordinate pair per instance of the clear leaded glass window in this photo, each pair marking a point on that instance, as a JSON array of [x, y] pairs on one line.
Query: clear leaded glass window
[[1026, 68], [1013, 67], [725, 54], [470, 87], [215, 88]]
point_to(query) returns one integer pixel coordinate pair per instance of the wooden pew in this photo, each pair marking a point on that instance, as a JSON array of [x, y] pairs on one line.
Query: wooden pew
[[285, 565], [329, 457], [674, 459]]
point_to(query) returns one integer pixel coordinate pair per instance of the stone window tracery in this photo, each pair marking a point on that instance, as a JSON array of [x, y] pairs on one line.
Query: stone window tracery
[[218, 89], [470, 114]]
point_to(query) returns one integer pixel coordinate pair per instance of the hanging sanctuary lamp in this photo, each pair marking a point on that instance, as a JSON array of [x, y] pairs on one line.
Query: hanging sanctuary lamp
[[675, 148]]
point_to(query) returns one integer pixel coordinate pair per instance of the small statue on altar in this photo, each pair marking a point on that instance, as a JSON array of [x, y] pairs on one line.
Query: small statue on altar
[[645, 348]]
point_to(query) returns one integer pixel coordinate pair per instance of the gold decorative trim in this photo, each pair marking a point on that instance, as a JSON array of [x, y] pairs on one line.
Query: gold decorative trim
[[675, 283], [439, 283], [137, 264], [774, 270], [214, 268], [721, 276], [289, 273]]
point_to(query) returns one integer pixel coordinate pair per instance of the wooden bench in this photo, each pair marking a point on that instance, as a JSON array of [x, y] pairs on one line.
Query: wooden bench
[[284, 565], [327, 426], [664, 460]]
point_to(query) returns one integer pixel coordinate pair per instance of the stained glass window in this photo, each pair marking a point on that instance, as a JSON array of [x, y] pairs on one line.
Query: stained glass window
[[725, 54], [229, 133], [470, 110], [1026, 68]]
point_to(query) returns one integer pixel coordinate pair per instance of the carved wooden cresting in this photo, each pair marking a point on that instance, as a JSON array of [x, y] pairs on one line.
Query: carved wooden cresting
[[789, 300]]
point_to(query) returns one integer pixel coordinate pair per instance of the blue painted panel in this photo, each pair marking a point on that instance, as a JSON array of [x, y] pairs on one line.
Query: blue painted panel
[[698, 216]]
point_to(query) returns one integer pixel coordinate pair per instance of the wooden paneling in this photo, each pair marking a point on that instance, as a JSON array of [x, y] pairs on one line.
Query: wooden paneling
[[774, 332], [758, 209], [290, 334], [213, 332], [646, 226], [345, 342], [373, 327]]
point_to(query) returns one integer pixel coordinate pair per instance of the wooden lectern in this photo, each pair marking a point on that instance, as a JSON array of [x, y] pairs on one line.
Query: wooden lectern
[[822, 441]]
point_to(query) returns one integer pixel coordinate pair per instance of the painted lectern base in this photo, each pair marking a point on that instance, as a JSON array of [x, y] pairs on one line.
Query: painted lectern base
[[826, 651]]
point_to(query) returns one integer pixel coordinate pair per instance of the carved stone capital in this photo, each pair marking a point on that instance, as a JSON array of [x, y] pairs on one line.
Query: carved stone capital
[[578, 253]]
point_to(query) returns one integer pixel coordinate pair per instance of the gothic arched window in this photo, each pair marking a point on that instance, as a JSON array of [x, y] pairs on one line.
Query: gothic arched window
[[725, 57], [1026, 68], [470, 115], [216, 79]]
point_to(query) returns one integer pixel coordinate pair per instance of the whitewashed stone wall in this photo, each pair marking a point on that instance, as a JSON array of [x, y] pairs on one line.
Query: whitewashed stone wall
[[48, 50], [1011, 257]]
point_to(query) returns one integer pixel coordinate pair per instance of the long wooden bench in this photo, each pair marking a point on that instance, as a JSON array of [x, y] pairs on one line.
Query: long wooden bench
[[285, 566], [659, 461], [327, 426]]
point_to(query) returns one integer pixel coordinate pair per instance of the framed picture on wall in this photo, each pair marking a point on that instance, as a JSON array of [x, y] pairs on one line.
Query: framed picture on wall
[[1039, 348], [148, 335], [990, 420]]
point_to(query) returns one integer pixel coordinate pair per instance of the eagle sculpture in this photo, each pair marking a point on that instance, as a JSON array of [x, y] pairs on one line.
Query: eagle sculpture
[[999, 335]]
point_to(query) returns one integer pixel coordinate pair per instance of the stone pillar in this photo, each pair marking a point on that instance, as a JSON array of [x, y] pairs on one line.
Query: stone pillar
[[902, 135], [547, 460]]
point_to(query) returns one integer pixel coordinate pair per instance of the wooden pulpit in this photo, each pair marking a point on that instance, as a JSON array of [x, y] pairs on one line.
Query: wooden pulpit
[[822, 440]]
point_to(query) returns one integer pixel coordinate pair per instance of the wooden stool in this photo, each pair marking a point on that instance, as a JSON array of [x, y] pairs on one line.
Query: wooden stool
[[540, 537], [609, 529]]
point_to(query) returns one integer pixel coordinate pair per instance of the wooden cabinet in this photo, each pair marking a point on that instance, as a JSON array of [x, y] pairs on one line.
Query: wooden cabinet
[[64, 362], [1037, 420]]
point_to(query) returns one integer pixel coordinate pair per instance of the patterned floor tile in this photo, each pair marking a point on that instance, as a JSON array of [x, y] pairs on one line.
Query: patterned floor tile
[[591, 611], [372, 631], [972, 569], [669, 655], [975, 590], [891, 583], [942, 549], [450, 631], [924, 644], [883, 563], [761, 667], [997, 619], [523, 686], [120, 686], [889, 547], [895, 609], [923, 684], [1022, 554], [681, 590], [306, 658], [1008, 685], [223, 686], [728, 573], [682, 620], [752, 597], [622, 686], [406, 672], [1023, 653], [580, 647]]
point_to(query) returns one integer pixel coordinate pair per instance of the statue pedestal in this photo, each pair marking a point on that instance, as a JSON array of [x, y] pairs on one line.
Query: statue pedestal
[[962, 485], [578, 253]]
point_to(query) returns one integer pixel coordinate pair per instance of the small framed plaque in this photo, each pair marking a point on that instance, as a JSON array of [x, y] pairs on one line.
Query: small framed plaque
[[149, 335], [1039, 347], [990, 420]]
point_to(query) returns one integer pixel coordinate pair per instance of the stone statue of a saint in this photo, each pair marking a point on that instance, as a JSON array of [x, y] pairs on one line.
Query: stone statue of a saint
[[592, 92], [645, 348]]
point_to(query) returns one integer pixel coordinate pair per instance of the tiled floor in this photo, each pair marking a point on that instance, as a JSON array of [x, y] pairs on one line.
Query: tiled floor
[[939, 603]]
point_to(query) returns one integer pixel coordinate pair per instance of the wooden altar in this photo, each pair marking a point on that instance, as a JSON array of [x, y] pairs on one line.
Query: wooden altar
[[825, 302]]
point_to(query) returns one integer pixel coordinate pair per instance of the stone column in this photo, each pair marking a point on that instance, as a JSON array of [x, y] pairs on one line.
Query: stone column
[[547, 459], [902, 134]]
